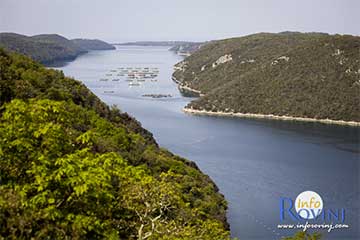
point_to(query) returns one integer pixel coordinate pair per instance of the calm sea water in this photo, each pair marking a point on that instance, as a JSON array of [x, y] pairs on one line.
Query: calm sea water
[[253, 162]]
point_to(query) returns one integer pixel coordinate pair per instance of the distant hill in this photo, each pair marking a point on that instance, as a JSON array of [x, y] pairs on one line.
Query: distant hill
[[42, 48], [312, 75], [179, 47], [152, 43], [47, 48], [186, 48], [92, 44], [59, 41]]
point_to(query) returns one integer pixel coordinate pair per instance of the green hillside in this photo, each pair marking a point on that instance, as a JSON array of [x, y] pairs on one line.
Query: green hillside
[[312, 75], [72, 168], [42, 48], [50, 48]]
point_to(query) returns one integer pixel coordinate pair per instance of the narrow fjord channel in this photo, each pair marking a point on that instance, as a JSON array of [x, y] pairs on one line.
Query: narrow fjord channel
[[253, 162]]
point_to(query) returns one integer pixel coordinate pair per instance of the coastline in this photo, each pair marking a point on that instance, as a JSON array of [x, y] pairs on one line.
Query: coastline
[[258, 115], [60, 62], [270, 116], [186, 89]]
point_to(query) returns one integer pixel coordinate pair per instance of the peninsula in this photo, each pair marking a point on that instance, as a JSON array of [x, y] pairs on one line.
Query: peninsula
[[50, 48]]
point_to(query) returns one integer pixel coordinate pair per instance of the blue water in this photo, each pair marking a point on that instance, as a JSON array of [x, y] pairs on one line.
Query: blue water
[[253, 162]]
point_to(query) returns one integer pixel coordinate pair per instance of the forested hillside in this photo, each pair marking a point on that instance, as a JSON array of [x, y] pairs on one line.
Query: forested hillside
[[312, 75], [50, 48], [72, 168], [42, 48]]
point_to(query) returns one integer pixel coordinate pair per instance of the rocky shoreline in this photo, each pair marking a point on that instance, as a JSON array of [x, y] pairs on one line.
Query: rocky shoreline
[[197, 93], [186, 90], [270, 116]]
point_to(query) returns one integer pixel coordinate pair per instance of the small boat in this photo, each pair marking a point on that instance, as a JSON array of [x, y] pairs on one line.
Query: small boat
[[108, 74], [110, 91], [134, 84], [154, 80], [103, 79], [113, 70], [116, 79]]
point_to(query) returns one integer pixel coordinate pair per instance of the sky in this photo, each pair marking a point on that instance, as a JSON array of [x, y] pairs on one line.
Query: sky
[[191, 20]]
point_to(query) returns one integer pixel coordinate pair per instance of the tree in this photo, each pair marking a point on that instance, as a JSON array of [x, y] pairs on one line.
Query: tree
[[64, 175]]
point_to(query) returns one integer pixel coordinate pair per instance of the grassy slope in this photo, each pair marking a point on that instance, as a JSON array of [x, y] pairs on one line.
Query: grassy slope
[[318, 81]]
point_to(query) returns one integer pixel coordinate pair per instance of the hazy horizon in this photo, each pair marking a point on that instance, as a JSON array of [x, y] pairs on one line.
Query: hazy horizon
[[119, 21]]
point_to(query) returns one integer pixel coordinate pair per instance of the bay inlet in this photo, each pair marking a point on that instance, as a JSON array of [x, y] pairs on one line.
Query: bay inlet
[[254, 162]]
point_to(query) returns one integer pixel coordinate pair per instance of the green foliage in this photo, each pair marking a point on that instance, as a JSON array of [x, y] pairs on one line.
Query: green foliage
[[295, 74], [65, 173], [72, 168], [22, 78]]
